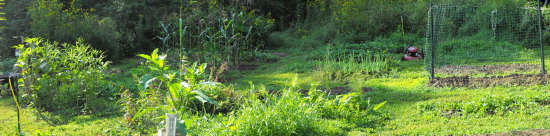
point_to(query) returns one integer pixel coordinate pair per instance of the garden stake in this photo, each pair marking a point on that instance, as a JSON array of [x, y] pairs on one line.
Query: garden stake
[[16, 103]]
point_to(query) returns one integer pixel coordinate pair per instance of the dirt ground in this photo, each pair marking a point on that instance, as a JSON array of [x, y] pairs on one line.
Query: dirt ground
[[480, 82], [461, 76], [487, 69], [535, 132], [339, 90]]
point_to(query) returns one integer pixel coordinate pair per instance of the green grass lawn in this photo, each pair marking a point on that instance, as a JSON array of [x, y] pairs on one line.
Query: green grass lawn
[[31, 124]]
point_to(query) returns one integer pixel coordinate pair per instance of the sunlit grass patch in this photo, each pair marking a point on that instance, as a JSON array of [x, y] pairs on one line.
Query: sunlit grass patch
[[489, 103], [32, 124]]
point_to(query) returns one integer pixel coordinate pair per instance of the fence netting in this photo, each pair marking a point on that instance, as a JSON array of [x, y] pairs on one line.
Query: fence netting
[[479, 41]]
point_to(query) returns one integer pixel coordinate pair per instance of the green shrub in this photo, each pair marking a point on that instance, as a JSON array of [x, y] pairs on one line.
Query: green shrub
[[52, 20], [65, 79], [287, 115], [292, 113], [347, 107]]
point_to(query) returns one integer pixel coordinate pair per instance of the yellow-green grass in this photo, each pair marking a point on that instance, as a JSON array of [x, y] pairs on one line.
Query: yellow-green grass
[[405, 88], [31, 124]]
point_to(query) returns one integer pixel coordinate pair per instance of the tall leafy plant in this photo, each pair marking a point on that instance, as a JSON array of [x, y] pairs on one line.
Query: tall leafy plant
[[181, 94], [165, 90], [65, 78]]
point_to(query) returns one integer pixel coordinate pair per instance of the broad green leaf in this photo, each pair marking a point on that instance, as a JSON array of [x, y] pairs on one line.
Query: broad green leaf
[[174, 90], [145, 56], [155, 54], [147, 80], [203, 98], [378, 106], [346, 98], [202, 68]]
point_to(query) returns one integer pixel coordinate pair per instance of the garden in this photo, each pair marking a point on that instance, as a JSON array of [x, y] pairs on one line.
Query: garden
[[274, 67]]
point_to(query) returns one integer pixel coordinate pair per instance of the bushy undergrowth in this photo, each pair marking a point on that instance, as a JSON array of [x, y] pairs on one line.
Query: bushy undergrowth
[[55, 21], [286, 115], [488, 105], [292, 113], [209, 108], [65, 79]]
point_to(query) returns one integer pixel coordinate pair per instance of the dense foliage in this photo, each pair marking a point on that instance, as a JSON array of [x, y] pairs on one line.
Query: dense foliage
[[66, 79], [50, 19], [195, 43], [15, 25]]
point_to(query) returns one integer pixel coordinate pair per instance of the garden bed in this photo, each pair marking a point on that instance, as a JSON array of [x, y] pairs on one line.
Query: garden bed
[[492, 81], [535, 132], [487, 69]]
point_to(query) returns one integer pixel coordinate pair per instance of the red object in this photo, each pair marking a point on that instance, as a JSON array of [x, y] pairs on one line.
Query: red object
[[407, 57], [412, 49], [412, 54]]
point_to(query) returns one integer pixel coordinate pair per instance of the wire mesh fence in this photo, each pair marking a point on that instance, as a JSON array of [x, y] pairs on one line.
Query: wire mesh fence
[[476, 41]]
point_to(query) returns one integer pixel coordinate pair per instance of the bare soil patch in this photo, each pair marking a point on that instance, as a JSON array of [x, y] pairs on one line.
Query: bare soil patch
[[487, 69], [339, 90], [481, 82], [367, 89], [534, 132]]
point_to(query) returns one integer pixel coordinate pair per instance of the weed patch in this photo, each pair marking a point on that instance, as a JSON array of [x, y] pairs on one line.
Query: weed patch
[[487, 105], [493, 81], [497, 69]]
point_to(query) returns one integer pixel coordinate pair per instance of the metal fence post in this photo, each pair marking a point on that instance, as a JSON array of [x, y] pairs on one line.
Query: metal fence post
[[540, 39], [431, 42]]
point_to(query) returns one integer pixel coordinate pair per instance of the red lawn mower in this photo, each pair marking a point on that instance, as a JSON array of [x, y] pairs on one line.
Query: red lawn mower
[[411, 54]]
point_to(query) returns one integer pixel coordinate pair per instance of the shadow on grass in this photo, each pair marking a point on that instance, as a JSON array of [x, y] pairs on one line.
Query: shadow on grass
[[396, 96]]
